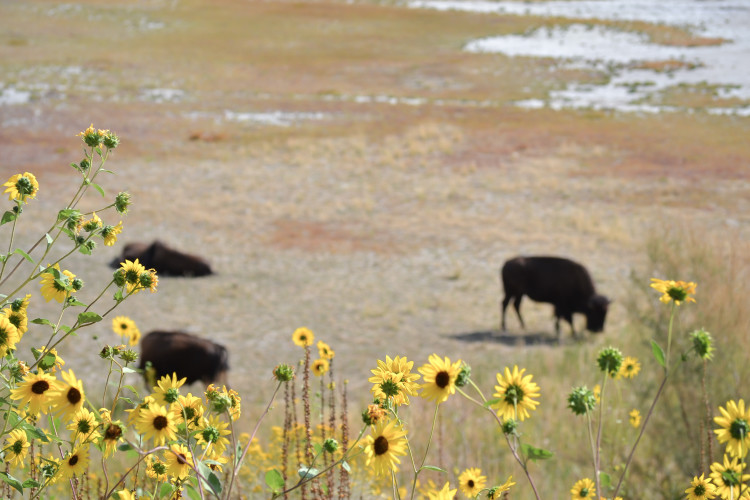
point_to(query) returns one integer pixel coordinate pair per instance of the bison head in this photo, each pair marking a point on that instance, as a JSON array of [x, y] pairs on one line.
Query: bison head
[[597, 311]]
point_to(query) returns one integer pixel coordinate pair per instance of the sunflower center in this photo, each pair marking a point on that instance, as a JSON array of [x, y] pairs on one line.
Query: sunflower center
[[160, 422], [677, 293], [131, 276], [181, 459], [124, 326], [699, 490], [513, 394], [171, 395], [83, 426], [739, 428], [74, 395], [584, 492], [389, 388], [303, 338], [40, 387], [442, 379], [72, 461], [17, 447], [113, 432], [188, 412], [470, 483], [380, 445]]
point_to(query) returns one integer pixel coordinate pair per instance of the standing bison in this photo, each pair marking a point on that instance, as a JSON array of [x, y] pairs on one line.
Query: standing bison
[[165, 260], [186, 355], [561, 282]]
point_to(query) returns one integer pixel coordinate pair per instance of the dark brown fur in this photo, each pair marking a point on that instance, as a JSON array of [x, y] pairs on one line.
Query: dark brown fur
[[165, 260], [186, 355]]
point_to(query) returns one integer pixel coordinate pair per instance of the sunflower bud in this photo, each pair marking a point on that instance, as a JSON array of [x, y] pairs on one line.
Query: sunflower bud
[[122, 202], [330, 445], [129, 355], [581, 400], [77, 284], [283, 373], [464, 375], [119, 277], [702, 343], [610, 360], [509, 427], [84, 165], [110, 140]]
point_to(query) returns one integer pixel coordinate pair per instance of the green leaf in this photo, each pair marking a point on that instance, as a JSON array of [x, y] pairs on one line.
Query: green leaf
[[75, 302], [534, 453], [274, 481], [118, 296], [658, 353], [30, 483], [124, 447], [24, 254], [166, 490], [105, 170], [11, 481], [214, 483], [192, 493], [89, 317], [98, 188], [125, 369], [307, 472], [8, 217], [65, 213], [605, 479], [42, 321], [99, 150], [491, 402], [49, 240], [84, 250], [345, 465], [432, 467], [131, 389], [318, 448]]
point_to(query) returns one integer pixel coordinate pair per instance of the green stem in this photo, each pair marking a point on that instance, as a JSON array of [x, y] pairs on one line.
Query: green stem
[[597, 451], [427, 449]]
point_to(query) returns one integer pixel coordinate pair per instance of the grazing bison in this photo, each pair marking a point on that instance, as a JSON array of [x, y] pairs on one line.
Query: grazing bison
[[186, 355], [561, 282], [165, 260]]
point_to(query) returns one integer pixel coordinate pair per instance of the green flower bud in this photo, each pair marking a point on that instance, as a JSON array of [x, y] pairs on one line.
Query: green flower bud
[[77, 284], [210, 434], [129, 355], [702, 343], [464, 375], [84, 165], [283, 373], [24, 186], [146, 279], [330, 445], [119, 277], [509, 426], [122, 202], [108, 352], [581, 400], [110, 140], [90, 244], [610, 360]]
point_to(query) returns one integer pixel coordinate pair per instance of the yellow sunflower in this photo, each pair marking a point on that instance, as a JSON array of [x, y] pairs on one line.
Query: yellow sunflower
[[84, 426], [111, 433], [515, 392], [393, 378], [471, 481], [629, 367], [585, 488], [57, 289], [75, 463], [156, 468], [9, 336], [122, 326], [158, 423], [67, 397], [167, 389], [17, 318], [21, 187], [35, 390], [125, 495], [303, 337], [728, 478], [178, 461], [109, 233], [325, 351], [701, 489], [131, 273], [16, 447], [635, 418], [444, 494], [188, 409], [320, 367], [383, 446], [679, 291], [496, 491], [440, 378], [735, 428], [212, 431]]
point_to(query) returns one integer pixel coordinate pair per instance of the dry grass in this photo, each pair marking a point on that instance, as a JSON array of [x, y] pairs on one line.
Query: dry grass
[[379, 226]]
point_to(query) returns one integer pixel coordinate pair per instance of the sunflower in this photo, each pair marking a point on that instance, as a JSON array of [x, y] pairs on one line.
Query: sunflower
[[178, 461], [57, 288], [125, 495], [18, 318], [496, 491], [383, 445], [84, 426], [729, 479], [471, 481], [112, 433], [34, 390], [635, 418], [701, 489], [735, 428], [155, 468], [188, 408], [109, 233], [444, 494], [21, 186], [122, 326], [131, 273], [16, 447], [167, 389], [585, 488], [75, 463], [393, 379], [515, 392], [440, 378], [629, 368], [325, 351], [320, 366], [303, 337], [211, 432], [9, 336], [158, 423], [679, 291], [67, 396]]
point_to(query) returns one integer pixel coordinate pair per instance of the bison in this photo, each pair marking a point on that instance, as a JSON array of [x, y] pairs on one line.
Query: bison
[[186, 355], [561, 282], [165, 260]]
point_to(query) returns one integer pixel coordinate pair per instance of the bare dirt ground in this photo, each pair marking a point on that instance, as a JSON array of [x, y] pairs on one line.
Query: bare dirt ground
[[378, 223]]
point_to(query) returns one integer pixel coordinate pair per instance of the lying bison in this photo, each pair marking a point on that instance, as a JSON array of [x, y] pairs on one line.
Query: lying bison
[[561, 282], [165, 260], [186, 355]]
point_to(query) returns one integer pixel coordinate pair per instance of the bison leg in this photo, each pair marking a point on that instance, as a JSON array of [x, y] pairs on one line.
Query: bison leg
[[503, 306], [517, 307]]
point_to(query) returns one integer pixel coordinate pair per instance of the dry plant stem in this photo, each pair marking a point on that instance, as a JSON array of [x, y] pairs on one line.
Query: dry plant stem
[[10, 243], [252, 436], [427, 449]]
